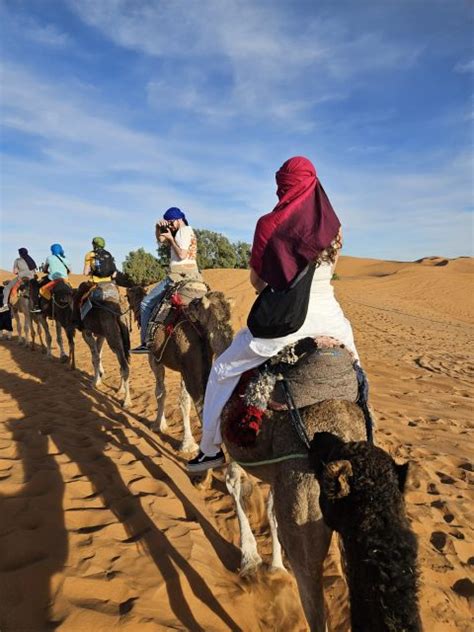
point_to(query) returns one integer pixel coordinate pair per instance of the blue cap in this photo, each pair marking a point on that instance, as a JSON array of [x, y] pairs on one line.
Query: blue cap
[[174, 213]]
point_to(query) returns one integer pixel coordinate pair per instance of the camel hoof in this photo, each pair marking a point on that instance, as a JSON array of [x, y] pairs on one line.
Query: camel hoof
[[189, 446], [201, 480], [63, 359], [250, 566], [159, 426]]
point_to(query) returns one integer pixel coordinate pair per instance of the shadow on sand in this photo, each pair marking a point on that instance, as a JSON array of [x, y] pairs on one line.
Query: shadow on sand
[[66, 421]]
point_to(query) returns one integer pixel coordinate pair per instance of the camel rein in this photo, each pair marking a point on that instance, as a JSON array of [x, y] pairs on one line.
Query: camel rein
[[171, 332]]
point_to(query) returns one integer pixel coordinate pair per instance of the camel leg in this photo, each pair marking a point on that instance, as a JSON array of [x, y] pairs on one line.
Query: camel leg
[[59, 338], [116, 344], [36, 321], [100, 346], [72, 348], [16, 316], [43, 323], [305, 539], [91, 342], [188, 444], [27, 325], [277, 558], [33, 333], [250, 560], [160, 424]]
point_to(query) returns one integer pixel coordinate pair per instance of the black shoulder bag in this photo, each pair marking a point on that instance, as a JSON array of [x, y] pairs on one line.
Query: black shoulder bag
[[277, 313], [67, 269]]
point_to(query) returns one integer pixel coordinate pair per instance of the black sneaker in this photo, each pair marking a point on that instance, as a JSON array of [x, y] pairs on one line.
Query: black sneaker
[[35, 310], [201, 462], [140, 349]]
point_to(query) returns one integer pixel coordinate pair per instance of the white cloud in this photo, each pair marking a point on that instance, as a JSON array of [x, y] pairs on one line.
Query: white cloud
[[463, 67], [277, 65]]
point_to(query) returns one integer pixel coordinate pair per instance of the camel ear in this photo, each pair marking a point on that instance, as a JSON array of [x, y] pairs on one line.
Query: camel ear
[[336, 475], [231, 302], [402, 474]]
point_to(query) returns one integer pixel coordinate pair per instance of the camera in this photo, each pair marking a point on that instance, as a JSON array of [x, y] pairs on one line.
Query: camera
[[163, 229]]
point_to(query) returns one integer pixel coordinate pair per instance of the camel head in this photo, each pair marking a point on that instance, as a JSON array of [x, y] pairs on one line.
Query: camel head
[[135, 295], [212, 312], [355, 478], [63, 294]]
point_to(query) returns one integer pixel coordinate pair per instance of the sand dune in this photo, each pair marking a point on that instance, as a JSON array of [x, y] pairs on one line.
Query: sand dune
[[101, 527]]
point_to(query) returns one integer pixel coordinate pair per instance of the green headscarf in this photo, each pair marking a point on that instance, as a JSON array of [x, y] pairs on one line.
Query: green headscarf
[[98, 242]]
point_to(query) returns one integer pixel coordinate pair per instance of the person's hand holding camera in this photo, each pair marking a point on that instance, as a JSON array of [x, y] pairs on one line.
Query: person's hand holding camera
[[163, 232]]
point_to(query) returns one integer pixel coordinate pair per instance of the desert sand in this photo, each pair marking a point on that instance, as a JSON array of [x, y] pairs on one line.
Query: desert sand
[[100, 526]]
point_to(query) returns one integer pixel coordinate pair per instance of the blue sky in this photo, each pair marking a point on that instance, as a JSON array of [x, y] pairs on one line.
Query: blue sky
[[114, 110]]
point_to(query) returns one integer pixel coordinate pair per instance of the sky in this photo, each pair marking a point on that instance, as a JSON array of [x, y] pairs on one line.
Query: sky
[[114, 110]]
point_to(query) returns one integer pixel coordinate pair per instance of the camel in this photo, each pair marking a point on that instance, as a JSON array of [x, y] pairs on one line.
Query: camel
[[59, 309], [103, 322], [293, 504], [189, 351], [294, 496], [23, 307], [362, 499]]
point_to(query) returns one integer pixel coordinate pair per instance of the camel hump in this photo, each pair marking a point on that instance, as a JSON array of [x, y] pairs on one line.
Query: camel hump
[[317, 371]]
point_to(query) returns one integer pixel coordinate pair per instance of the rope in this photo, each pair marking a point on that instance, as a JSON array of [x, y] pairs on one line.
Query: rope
[[112, 311], [399, 311], [278, 459], [295, 414], [172, 332]]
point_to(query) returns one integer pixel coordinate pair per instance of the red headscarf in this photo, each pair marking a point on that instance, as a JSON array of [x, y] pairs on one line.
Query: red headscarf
[[301, 225]]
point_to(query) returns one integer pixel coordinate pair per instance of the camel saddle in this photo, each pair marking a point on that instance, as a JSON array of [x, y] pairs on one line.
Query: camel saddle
[[106, 291], [315, 370], [177, 297]]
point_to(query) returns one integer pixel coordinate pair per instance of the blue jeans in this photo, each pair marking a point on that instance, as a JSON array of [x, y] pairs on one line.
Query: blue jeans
[[148, 304]]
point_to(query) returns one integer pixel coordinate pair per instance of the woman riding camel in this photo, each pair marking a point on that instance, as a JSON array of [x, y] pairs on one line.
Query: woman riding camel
[[302, 228], [56, 267], [175, 230], [24, 267]]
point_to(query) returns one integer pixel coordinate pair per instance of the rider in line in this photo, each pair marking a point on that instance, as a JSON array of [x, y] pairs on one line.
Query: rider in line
[[175, 230], [56, 267], [24, 267], [98, 263], [302, 227]]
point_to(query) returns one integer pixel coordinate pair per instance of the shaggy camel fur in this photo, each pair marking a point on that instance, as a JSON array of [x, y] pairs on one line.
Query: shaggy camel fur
[[105, 322], [362, 499], [188, 350]]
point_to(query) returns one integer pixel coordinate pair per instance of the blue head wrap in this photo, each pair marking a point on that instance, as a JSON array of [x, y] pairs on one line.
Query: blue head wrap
[[57, 249], [174, 213]]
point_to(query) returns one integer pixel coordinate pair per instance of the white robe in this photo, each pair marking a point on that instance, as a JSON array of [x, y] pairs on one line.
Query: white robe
[[324, 318]]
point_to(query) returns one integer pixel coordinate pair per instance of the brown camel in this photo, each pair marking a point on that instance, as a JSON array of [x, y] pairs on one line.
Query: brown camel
[[189, 350], [294, 490], [59, 309], [103, 322], [294, 496]]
